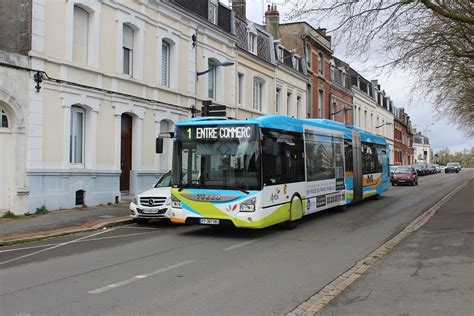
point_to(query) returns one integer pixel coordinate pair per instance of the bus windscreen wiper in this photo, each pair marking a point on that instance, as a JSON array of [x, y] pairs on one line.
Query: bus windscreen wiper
[[240, 189]]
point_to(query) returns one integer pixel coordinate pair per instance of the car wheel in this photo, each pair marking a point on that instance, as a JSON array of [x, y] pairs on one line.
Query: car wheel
[[394, 184], [457, 171], [140, 221]]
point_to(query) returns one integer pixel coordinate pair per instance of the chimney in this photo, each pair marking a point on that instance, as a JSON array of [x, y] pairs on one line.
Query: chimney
[[238, 6], [272, 21]]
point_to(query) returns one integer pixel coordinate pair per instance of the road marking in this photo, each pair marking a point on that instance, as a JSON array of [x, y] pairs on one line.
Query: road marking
[[56, 246], [139, 277], [86, 240], [240, 245]]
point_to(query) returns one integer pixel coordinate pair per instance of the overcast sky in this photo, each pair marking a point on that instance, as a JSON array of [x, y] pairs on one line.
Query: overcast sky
[[397, 85]]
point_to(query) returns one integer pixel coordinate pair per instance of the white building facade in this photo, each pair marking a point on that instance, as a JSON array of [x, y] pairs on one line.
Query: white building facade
[[421, 149], [372, 109], [115, 75]]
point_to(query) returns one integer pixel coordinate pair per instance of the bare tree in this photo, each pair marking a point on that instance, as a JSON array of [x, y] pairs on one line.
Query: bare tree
[[432, 39]]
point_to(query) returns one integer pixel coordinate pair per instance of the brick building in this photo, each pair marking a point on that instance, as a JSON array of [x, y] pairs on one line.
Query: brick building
[[403, 138], [315, 46], [341, 96]]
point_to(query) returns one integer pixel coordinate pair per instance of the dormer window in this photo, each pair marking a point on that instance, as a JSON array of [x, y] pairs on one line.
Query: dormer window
[[252, 38], [212, 11], [280, 54]]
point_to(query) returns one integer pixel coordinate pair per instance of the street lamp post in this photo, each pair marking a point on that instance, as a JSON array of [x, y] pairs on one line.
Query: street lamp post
[[223, 64], [343, 109], [387, 123], [200, 73]]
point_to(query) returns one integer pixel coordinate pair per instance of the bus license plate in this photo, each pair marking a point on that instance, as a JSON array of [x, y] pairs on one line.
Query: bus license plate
[[209, 221]]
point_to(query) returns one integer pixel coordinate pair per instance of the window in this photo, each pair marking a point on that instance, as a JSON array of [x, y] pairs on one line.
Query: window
[[320, 103], [298, 105], [253, 42], [76, 149], [240, 88], [277, 100], [4, 119], [332, 73], [258, 94], [212, 13], [127, 50], [320, 64], [308, 54], [283, 157], [280, 54], [211, 79], [80, 35], [165, 63], [288, 102], [372, 156]]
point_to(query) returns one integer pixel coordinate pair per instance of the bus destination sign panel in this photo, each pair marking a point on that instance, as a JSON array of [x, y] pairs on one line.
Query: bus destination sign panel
[[224, 132]]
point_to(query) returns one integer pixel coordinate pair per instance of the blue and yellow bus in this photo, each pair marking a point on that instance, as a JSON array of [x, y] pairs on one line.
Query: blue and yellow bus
[[268, 170]]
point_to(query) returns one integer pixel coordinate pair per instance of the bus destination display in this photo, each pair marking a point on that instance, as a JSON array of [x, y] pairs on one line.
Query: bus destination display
[[243, 132]]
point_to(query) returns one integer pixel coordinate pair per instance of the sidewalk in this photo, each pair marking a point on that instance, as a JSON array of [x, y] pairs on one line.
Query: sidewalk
[[429, 273], [62, 222]]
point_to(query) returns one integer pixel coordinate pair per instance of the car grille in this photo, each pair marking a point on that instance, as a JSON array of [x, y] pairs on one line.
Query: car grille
[[152, 201]]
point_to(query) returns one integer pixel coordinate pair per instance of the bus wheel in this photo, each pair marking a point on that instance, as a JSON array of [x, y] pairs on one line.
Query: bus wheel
[[296, 213], [341, 208], [377, 196]]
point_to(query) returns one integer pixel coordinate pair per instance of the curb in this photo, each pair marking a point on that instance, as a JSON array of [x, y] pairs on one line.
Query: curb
[[89, 226], [325, 295]]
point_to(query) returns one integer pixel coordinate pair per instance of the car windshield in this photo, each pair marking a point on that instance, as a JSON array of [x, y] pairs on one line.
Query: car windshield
[[452, 164], [403, 170], [164, 182]]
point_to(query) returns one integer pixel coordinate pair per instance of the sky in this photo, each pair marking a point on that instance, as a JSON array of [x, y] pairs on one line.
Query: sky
[[397, 84]]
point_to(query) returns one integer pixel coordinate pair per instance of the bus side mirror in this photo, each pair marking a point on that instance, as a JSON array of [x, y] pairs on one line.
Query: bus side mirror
[[159, 145]]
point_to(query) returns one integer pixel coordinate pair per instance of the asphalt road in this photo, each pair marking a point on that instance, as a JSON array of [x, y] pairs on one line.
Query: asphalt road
[[164, 269]]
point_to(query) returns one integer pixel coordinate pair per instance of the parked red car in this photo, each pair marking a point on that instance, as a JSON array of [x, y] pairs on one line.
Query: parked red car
[[405, 175]]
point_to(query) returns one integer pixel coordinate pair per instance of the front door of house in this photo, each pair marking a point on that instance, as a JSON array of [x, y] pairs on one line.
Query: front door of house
[[126, 152]]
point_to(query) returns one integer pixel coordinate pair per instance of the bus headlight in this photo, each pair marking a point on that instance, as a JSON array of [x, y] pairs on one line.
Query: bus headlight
[[248, 205], [175, 203]]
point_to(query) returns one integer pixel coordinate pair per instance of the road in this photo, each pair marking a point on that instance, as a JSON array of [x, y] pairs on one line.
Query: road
[[164, 269]]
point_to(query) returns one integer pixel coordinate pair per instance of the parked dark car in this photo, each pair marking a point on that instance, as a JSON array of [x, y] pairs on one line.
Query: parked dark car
[[452, 167], [419, 169], [405, 175]]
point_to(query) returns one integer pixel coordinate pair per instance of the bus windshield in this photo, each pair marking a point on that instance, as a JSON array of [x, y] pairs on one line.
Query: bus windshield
[[217, 157]]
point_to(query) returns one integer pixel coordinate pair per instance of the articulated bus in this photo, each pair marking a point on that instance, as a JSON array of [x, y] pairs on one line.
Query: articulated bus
[[268, 170]]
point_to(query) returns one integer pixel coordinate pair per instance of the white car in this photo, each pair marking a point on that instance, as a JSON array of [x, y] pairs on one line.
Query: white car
[[153, 203]]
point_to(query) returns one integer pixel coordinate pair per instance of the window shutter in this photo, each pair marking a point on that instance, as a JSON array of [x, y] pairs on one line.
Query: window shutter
[[165, 52]]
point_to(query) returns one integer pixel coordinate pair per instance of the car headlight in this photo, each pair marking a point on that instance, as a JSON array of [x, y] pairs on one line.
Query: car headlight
[[175, 203], [135, 200], [168, 201], [248, 205]]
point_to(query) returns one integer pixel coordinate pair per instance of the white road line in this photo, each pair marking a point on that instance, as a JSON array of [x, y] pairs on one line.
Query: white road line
[[136, 227], [139, 277], [56, 246], [240, 245], [86, 240]]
